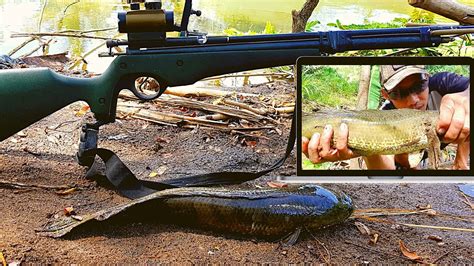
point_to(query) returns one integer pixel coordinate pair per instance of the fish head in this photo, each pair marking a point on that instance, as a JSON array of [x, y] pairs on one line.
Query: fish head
[[326, 207]]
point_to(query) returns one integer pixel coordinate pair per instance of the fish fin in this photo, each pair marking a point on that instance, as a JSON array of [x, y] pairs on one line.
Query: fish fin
[[434, 150], [64, 225], [291, 238]]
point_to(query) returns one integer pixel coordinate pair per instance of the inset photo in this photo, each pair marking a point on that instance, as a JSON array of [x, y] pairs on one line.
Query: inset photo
[[387, 116]]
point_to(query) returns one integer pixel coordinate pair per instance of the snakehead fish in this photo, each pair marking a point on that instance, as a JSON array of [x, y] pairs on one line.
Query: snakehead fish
[[379, 131], [266, 213]]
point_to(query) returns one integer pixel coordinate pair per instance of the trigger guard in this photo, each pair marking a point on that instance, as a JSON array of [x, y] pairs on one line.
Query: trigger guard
[[150, 97]]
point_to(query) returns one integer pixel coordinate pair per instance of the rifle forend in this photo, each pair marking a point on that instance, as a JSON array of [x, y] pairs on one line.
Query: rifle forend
[[28, 95]]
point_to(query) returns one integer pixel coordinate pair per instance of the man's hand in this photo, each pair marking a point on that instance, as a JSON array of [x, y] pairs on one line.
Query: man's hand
[[319, 149], [453, 122]]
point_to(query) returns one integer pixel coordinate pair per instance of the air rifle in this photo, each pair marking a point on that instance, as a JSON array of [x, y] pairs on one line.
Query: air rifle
[[28, 95]]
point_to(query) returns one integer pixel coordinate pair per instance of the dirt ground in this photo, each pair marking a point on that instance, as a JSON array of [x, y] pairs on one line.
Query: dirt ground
[[42, 155]]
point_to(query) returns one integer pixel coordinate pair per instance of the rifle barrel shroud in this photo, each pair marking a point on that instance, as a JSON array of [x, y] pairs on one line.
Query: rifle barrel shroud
[[28, 95]]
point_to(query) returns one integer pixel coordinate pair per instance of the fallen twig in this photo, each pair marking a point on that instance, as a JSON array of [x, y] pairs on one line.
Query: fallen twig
[[282, 74], [245, 107], [328, 260], [467, 201], [386, 212], [373, 249], [471, 230], [186, 91], [443, 255], [18, 185], [55, 34], [43, 44]]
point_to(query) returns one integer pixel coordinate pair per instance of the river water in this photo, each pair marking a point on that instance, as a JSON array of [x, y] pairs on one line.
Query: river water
[[244, 15]]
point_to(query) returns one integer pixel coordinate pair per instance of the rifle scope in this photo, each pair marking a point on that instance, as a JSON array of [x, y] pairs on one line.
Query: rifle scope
[[151, 19]]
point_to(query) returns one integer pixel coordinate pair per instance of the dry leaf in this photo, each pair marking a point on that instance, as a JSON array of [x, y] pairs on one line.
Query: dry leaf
[[53, 140], [374, 239], [21, 134], [162, 140], [118, 49], [363, 229], [277, 184], [2, 259], [409, 254], [66, 192], [153, 174], [435, 238], [251, 143], [83, 110], [162, 169], [69, 211]]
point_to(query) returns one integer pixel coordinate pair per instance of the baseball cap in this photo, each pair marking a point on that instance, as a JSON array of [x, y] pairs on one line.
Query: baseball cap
[[391, 75]]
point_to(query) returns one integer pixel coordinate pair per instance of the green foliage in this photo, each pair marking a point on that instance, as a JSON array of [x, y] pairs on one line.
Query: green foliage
[[458, 69], [419, 15], [374, 89], [308, 165], [329, 87], [311, 24], [396, 23], [269, 29]]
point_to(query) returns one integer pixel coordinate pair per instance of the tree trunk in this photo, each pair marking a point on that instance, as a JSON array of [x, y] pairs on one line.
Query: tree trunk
[[300, 18], [448, 8], [364, 84]]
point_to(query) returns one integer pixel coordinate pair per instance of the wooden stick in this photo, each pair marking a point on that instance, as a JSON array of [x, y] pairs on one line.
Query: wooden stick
[[88, 31], [373, 250], [10, 184], [444, 255], [245, 107], [56, 34], [249, 75], [285, 110], [23, 44], [186, 91], [471, 230], [181, 101], [41, 15]]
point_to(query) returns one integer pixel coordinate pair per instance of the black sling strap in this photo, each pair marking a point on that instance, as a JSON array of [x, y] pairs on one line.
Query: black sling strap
[[128, 185]]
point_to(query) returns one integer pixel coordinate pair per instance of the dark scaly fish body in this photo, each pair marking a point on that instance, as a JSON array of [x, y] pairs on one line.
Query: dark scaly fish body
[[268, 213], [378, 131]]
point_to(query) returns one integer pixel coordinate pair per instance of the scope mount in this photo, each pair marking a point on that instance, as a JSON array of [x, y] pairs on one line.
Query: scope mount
[[147, 28]]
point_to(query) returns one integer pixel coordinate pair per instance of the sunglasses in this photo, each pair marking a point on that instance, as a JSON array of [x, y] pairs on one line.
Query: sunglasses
[[397, 94]]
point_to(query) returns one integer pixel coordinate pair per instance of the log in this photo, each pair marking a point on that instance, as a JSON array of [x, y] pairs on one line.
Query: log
[[300, 18], [447, 8]]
